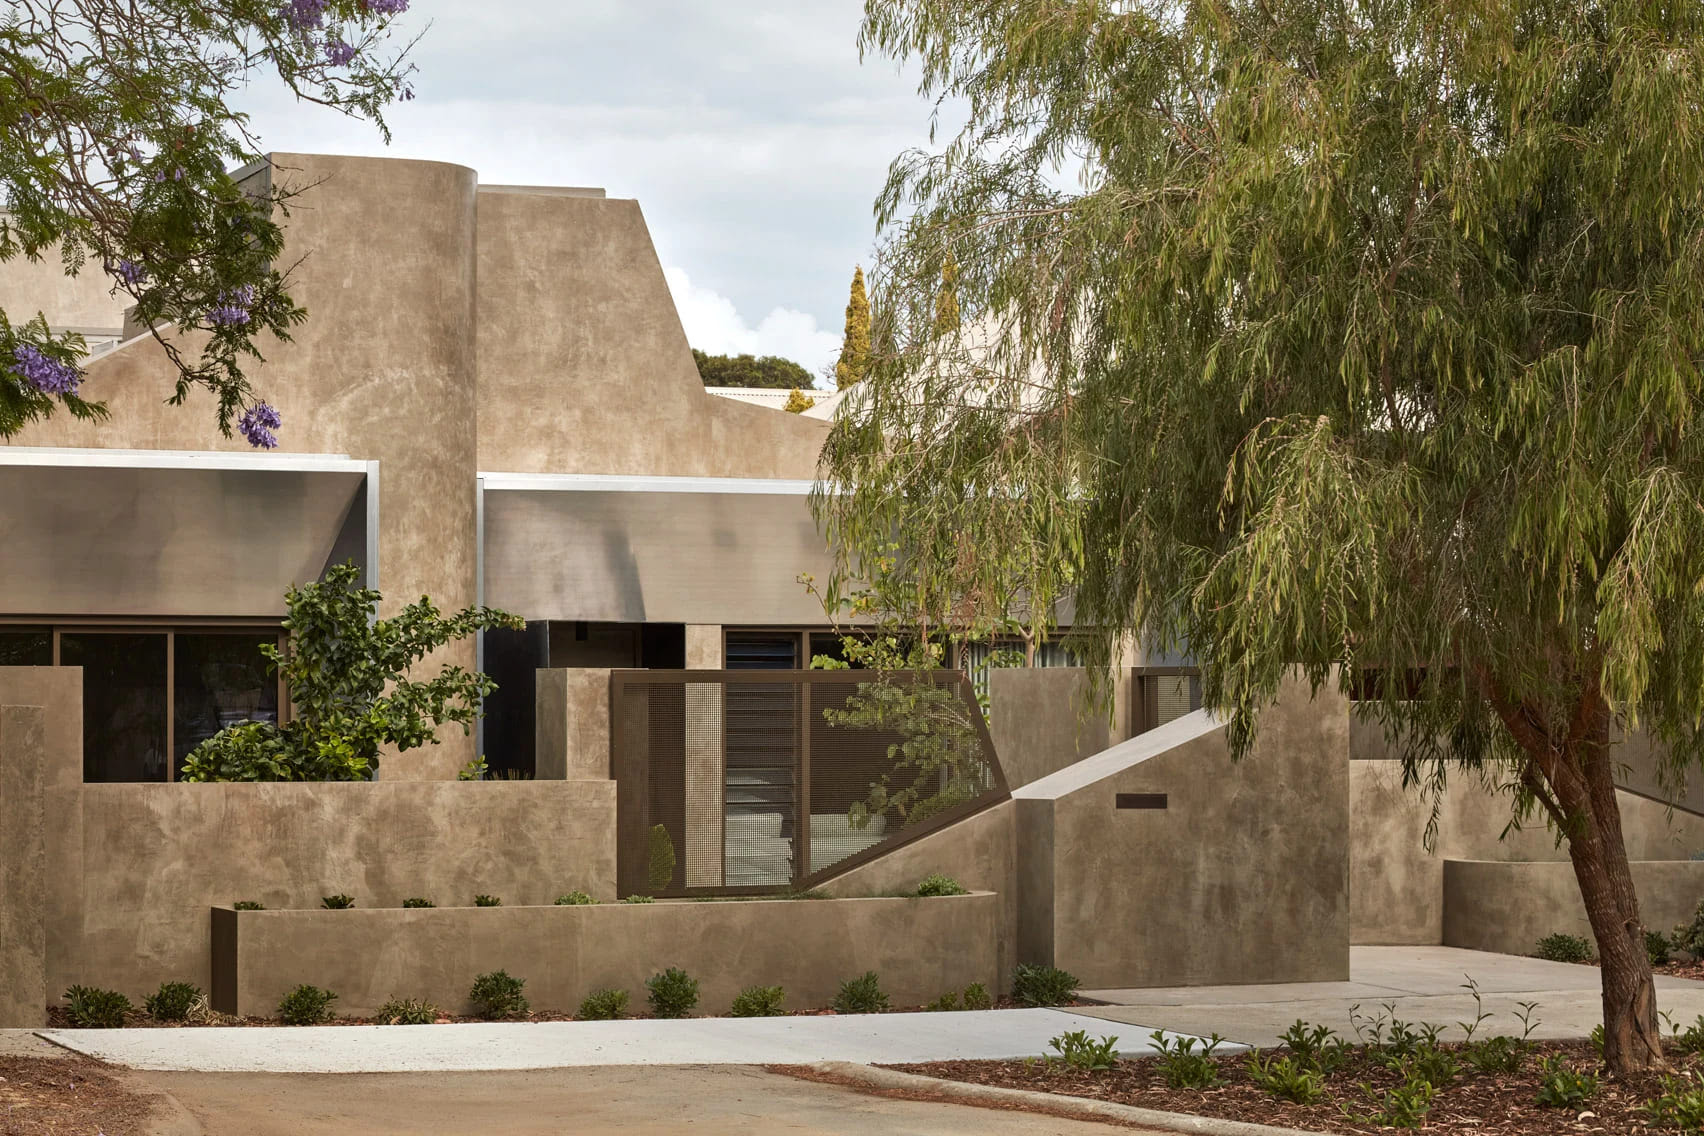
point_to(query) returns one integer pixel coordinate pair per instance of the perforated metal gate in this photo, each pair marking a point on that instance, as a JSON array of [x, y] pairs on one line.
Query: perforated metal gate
[[757, 782]]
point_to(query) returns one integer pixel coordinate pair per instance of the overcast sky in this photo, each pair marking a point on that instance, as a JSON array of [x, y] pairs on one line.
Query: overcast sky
[[749, 131]]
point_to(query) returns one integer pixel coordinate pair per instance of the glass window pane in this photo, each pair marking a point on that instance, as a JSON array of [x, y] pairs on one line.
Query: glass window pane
[[24, 647], [220, 680], [124, 704]]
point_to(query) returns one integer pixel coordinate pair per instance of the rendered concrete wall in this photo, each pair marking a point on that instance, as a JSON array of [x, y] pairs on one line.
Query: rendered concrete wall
[[84, 302], [155, 858], [1508, 907], [1041, 720], [1243, 877], [921, 948], [571, 730], [23, 884]]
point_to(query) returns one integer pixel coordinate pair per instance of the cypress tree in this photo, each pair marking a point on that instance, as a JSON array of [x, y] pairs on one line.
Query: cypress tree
[[855, 348], [946, 300]]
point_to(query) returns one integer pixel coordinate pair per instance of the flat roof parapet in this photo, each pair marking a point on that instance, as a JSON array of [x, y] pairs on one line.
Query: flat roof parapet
[[546, 190]]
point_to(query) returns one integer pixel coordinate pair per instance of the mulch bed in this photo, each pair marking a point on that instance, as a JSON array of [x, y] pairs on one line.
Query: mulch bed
[[1481, 1104], [65, 1095]]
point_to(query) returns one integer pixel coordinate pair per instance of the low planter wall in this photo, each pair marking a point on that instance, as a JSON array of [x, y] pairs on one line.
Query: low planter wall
[[1508, 907], [921, 948]]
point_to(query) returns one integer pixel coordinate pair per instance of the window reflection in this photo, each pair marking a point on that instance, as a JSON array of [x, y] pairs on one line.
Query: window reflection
[[124, 703], [24, 648], [220, 680]]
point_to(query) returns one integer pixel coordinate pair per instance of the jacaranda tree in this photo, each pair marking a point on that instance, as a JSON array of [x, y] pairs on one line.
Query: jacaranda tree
[[1359, 338], [117, 140]]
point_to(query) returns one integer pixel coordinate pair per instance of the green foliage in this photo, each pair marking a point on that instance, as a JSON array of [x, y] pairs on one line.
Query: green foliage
[[1562, 1087], [347, 673], [673, 993], [1495, 1055], [946, 299], [407, 1012], [1181, 1065], [575, 899], [306, 1006], [337, 902], [90, 1007], [173, 1001], [474, 770], [496, 996], [798, 402], [639, 899], [861, 995], [1689, 936], [248, 905], [660, 868], [1564, 948], [1316, 1046], [121, 134], [946, 1002], [487, 901], [1079, 1051], [1657, 948], [854, 361], [1034, 985], [937, 884], [1597, 1039], [603, 1006], [976, 997], [418, 902], [758, 1002], [1433, 1064], [1289, 1078], [1691, 1039], [1404, 1106], [768, 372], [1680, 1106]]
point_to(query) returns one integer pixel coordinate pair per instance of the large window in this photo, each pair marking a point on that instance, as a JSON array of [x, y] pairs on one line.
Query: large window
[[218, 680]]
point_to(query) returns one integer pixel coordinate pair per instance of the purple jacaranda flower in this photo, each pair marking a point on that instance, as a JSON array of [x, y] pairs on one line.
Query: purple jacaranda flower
[[43, 372], [232, 310], [407, 95], [128, 272], [257, 425], [304, 15], [338, 53], [387, 7]]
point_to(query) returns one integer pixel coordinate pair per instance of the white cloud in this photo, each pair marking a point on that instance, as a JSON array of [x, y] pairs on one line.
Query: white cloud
[[713, 324]]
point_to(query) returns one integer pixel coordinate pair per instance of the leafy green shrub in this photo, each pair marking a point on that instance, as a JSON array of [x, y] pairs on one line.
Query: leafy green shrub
[[1562, 1087], [306, 1006], [1681, 1106], [351, 695], [758, 1002], [1689, 1040], [1181, 1065], [1689, 936], [1564, 948], [1496, 1055], [418, 902], [1404, 1106], [976, 997], [1316, 1046], [173, 1001], [1079, 1051], [497, 996], [575, 899], [337, 902], [937, 884], [861, 995], [1597, 1039], [603, 1006], [1044, 986], [1657, 948], [1293, 1078], [638, 899], [248, 905], [947, 1001], [659, 872], [673, 993], [1434, 1065], [406, 1012], [90, 1007], [487, 901]]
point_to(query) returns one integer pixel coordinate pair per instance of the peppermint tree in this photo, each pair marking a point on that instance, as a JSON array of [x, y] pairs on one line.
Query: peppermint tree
[[1359, 338], [117, 141]]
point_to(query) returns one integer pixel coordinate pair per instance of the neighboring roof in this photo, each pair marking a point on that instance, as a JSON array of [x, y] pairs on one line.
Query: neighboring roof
[[822, 408]]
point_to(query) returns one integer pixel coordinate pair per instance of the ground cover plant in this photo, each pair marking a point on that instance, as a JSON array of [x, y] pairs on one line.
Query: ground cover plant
[[496, 996], [173, 1001], [574, 899], [416, 901], [603, 1006], [306, 1006], [861, 995], [1563, 948], [407, 1012], [248, 905], [338, 902], [1043, 986], [937, 884], [487, 901], [758, 1002], [90, 1007]]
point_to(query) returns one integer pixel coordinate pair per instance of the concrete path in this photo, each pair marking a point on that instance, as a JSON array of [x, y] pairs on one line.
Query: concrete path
[[1423, 984], [869, 1038]]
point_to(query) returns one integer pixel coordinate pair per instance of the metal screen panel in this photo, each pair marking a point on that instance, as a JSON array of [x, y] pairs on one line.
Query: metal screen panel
[[755, 782]]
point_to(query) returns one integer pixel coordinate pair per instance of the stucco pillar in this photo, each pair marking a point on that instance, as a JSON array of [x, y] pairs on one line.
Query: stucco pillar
[[571, 731], [705, 773], [23, 890]]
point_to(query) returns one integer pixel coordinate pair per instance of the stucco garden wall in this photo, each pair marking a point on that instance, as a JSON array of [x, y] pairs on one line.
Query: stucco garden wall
[[920, 949], [1041, 720], [1508, 907]]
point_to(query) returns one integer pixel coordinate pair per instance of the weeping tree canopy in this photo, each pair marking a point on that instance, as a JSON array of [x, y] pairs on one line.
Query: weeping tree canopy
[[118, 130], [1356, 337]]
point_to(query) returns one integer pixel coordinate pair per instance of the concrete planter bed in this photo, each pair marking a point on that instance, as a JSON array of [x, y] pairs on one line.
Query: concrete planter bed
[[920, 948]]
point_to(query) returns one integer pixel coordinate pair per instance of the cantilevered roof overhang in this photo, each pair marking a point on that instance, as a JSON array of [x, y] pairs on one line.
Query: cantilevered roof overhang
[[650, 549], [176, 534]]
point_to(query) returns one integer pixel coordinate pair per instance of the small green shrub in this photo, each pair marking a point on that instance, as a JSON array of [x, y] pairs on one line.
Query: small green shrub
[[337, 902], [1404, 1106], [1181, 1065], [173, 1001], [976, 997], [497, 996], [861, 995], [603, 1006], [575, 899], [1597, 1039], [947, 1001], [660, 871], [1689, 936], [418, 902], [1044, 986], [1562, 1087], [638, 899], [1434, 1065], [1292, 1078], [1316, 1046], [1657, 948], [1496, 1055], [1681, 1106], [406, 1012], [90, 1007], [1080, 1051], [1564, 948], [1689, 1040], [673, 993], [937, 884], [487, 901], [306, 1006], [248, 905], [758, 1002]]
